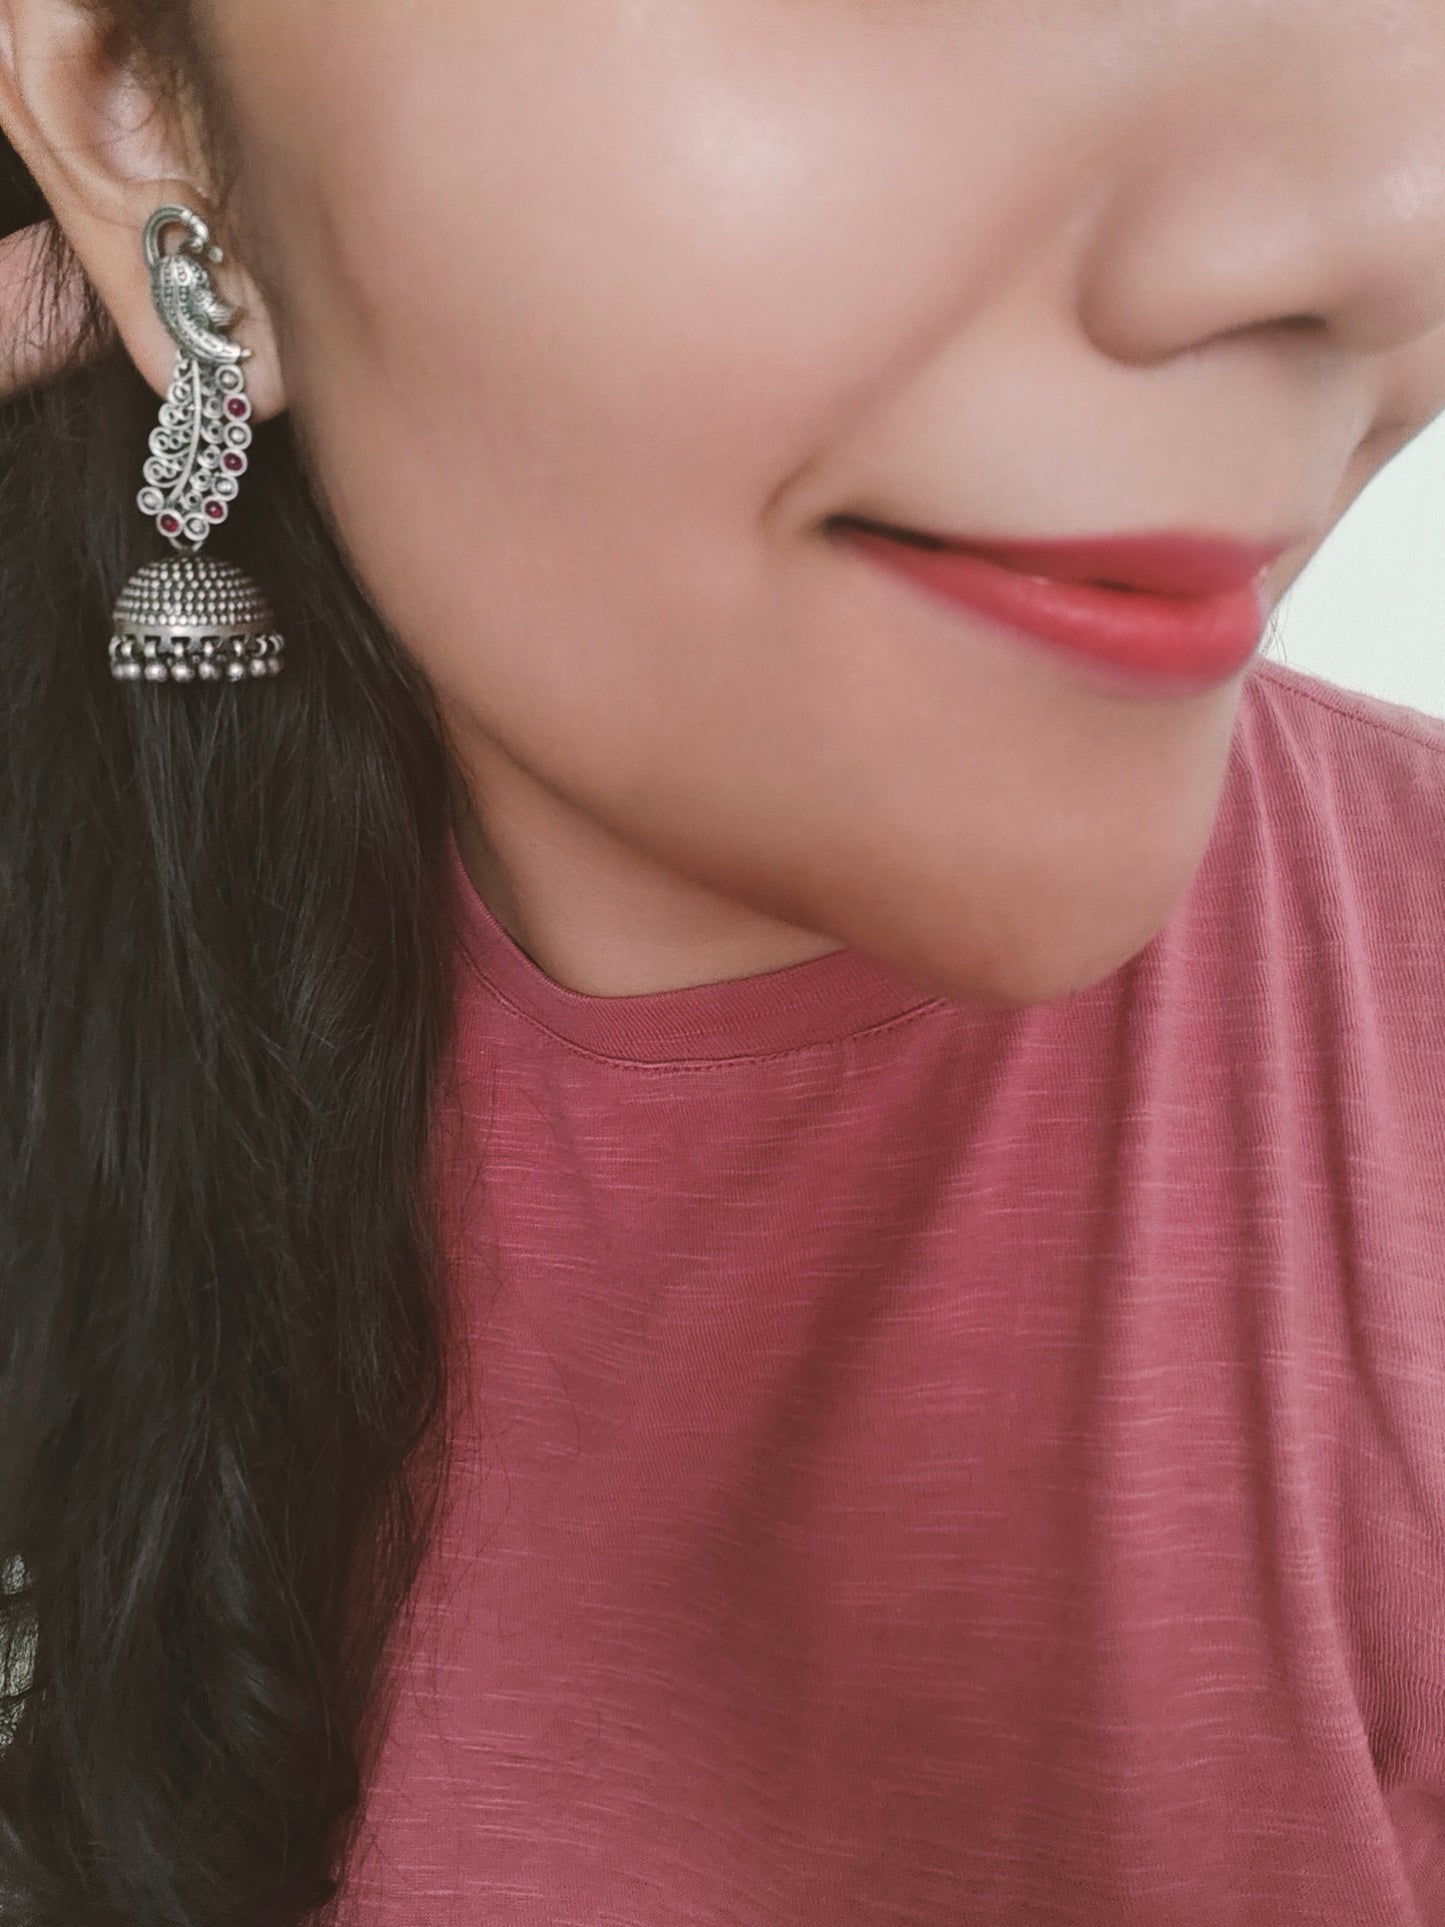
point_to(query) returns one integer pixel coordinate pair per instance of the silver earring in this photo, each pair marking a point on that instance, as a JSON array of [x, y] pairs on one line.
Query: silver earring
[[191, 617]]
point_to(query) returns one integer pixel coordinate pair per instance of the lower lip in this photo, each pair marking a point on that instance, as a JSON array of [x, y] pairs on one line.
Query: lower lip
[[1148, 645]]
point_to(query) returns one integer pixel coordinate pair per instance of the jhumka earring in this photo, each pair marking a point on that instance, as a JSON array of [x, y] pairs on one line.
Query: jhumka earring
[[192, 617]]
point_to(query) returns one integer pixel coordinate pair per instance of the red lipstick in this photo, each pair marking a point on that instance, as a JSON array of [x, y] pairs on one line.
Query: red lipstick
[[1162, 614]]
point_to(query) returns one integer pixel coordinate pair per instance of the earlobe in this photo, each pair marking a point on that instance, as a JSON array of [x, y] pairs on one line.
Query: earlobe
[[105, 155]]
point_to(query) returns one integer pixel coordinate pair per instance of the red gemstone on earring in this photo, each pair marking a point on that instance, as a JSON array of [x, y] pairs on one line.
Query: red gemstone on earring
[[170, 524], [235, 406], [215, 510], [233, 462]]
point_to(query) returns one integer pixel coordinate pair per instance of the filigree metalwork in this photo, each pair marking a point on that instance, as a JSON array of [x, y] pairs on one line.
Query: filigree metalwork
[[198, 449], [189, 618]]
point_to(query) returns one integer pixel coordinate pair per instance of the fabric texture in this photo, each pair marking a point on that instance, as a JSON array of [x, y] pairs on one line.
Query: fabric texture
[[932, 1465]]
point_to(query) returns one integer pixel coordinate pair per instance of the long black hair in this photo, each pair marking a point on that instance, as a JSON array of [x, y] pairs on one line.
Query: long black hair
[[224, 1018]]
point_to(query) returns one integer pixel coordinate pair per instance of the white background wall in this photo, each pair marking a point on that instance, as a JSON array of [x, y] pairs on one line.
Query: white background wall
[[1369, 611]]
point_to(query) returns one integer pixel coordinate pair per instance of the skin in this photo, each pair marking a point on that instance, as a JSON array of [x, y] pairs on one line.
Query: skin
[[592, 313]]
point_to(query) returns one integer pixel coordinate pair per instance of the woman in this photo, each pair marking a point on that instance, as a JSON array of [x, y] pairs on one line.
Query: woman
[[727, 1215]]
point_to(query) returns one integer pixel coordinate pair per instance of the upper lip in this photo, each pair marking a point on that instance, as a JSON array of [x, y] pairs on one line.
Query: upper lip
[[1169, 563]]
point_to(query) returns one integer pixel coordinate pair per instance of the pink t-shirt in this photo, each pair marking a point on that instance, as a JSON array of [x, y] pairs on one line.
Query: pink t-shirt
[[938, 1466]]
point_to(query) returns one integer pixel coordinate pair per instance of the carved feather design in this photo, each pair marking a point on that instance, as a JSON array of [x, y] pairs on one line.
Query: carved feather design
[[192, 310], [181, 289], [198, 449]]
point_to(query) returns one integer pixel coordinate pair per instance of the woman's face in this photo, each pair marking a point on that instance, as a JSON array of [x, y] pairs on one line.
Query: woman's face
[[594, 312]]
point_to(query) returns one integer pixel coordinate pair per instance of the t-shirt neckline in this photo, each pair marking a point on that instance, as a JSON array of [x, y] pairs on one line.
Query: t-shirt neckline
[[822, 1000]]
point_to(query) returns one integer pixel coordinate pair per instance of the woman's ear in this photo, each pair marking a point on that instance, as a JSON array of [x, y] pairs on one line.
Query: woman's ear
[[106, 152]]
